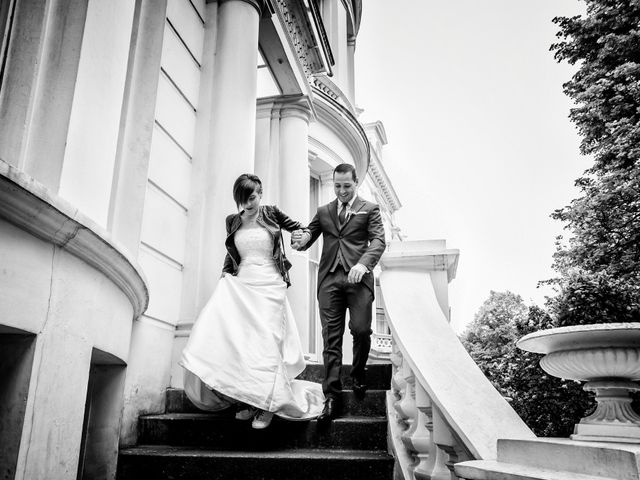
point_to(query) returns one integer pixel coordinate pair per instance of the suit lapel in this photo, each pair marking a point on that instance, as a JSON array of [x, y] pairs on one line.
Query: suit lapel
[[358, 203], [333, 207]]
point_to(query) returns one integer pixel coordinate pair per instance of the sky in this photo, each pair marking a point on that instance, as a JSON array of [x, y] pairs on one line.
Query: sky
[[481, 150]]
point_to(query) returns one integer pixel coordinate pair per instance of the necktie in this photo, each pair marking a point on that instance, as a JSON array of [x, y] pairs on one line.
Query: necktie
[[343, 213]]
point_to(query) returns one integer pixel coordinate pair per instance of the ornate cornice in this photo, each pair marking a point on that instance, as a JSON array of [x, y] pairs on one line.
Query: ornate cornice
[[377, 138], [346, 126], [381, 180], [306, 35], [28, 205], [334, 92]]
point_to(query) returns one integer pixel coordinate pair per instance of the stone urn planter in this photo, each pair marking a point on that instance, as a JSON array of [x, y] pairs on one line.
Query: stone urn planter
[[607, 357]]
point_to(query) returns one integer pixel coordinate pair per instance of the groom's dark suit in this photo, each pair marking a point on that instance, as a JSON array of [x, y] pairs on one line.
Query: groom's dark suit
[[360, 239]]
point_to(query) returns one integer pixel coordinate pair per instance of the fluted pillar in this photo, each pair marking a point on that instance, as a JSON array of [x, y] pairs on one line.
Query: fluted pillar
[[231, 132]]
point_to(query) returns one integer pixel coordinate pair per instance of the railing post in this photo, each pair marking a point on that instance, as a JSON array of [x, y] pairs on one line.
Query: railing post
[[450, 450], [397, 380], [408, 407], [422, 438]]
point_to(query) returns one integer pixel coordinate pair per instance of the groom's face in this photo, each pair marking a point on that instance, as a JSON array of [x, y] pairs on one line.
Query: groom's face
[[344, 186]]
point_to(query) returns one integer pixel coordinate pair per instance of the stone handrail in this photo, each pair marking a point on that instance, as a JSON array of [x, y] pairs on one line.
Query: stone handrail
[[442, 409]]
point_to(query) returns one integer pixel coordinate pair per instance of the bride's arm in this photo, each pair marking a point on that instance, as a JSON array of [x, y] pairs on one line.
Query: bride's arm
[[228, 261], [285, 221]]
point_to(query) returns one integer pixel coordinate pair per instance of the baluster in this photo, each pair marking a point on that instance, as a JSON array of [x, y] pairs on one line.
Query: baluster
[[422, 438], [450, 451], [410, 412], [404, 406], [397, 380], [398, 385]]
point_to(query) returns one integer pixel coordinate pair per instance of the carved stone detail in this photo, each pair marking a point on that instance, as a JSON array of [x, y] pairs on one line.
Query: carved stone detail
[[302, 37]]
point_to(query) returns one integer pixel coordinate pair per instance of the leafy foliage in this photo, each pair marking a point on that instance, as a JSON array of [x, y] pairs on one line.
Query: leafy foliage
[[588, 297], [605, 220], [598, 266], [549, 406]]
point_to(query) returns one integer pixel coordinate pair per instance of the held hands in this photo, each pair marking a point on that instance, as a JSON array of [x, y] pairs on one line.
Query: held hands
[[299, 239], [356, 273]]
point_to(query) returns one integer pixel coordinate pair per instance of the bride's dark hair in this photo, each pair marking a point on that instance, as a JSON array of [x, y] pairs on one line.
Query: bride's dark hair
[[244, 186]]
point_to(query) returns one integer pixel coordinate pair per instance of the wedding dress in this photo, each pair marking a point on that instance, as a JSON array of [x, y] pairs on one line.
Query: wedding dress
[[245, 346]]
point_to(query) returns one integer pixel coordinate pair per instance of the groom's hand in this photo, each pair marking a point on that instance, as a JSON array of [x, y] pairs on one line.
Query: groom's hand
[[299, 239], [356, 273]]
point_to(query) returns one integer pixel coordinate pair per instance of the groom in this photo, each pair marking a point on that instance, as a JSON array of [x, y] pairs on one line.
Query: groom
[[353, 241]]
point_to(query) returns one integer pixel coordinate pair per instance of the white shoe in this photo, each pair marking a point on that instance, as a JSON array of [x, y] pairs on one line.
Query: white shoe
[[262, 419], [245, 412]]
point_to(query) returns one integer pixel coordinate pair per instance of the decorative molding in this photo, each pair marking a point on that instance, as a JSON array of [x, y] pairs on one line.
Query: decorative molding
[[33, 208], [261, 6], [382, 182], [157, 323], [305, 35], [345, 125], [283, 106], [377, 138], [325, 153], [330, 89]]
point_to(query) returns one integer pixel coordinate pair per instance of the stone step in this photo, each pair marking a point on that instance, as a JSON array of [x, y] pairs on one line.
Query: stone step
[[176, 463], [224, 432], [373, 403], [491, 469], [378, 375]]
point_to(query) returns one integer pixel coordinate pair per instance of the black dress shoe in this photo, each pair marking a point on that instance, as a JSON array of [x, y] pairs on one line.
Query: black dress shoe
[[359, 389], [330, 411]]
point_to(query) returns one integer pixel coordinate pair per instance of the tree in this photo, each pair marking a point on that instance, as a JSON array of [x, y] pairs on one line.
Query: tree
[[491, 335], [549, 406], [605, 220]]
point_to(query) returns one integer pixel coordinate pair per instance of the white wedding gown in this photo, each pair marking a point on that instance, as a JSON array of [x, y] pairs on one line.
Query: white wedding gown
[[245, 346]]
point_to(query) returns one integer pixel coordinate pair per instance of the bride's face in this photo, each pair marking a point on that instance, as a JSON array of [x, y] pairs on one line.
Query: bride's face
[[252, 203]]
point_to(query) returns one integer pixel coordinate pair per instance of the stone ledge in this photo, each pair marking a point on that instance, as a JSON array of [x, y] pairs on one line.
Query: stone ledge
[[33, 208], [493, 470], [603, 459]]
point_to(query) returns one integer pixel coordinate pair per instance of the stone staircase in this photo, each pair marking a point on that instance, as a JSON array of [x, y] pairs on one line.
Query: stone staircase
[[185, 443]]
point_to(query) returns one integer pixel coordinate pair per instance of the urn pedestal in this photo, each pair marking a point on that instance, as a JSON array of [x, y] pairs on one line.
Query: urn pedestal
[[607, 358]]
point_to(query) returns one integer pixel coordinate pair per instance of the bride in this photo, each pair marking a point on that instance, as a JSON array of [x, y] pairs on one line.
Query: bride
[[244, 348]]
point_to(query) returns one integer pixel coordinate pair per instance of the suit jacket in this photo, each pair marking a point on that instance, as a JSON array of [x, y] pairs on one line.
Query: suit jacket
[[360, 239]]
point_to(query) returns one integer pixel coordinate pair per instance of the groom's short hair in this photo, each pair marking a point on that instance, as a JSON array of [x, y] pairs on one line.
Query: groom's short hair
[[244, 186], [346, 168]]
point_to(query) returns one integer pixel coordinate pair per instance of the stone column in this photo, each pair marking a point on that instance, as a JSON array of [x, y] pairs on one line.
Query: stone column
[[351, 74], [232, 132], [39, 84], [136, 125], [294, 200]]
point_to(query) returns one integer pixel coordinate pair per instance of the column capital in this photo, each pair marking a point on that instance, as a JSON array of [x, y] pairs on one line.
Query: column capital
[[286, 106], [260, 5], [300, 107]]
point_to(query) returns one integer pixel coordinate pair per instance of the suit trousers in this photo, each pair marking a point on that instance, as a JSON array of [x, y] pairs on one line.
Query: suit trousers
[[335, 297]]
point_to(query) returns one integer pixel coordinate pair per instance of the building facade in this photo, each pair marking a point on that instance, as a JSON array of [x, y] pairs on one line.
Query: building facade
[[123, 125]]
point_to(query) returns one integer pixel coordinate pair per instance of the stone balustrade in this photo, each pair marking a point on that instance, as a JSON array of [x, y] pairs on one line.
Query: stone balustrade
[[446, 421], [442, 410]]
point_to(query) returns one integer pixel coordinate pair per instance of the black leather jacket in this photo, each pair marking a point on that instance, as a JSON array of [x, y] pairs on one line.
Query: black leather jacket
[[272, 219]]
